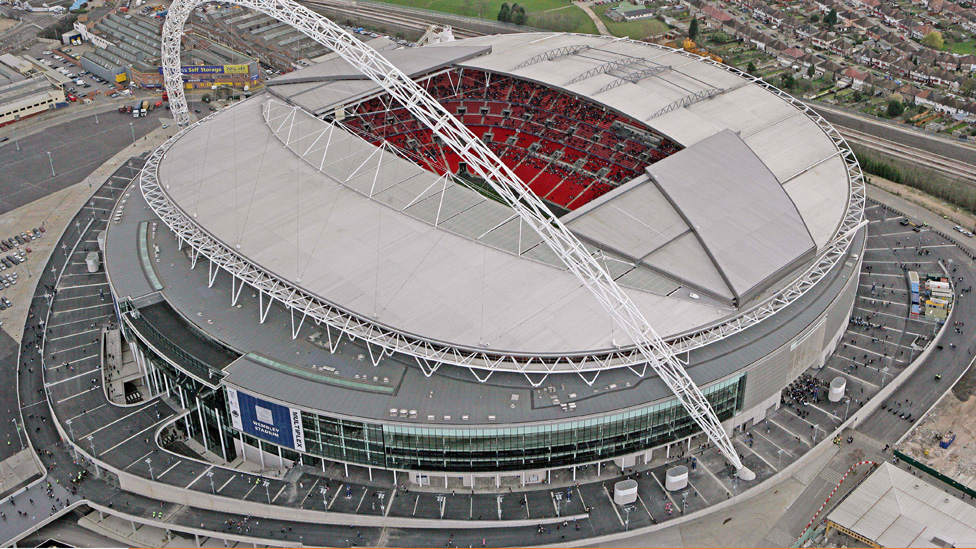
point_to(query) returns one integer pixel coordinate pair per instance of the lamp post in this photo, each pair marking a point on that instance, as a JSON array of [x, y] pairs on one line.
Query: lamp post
[[498, 500], [627, 510], [19, 436], [266, 491], [684, 501], [441, 499], [91, 444], [51, 160], [558, 496], [325, 501], [131, 129], [210, 477], [149, 463], [847, 408]]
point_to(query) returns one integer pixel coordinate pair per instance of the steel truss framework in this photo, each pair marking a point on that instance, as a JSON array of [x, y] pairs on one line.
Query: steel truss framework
[[552, 54], [688, 101], [652, 350]]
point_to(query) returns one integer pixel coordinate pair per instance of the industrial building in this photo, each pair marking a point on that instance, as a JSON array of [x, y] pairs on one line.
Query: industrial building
[[894, 508], [324, 280], [27, 88], [128, 49]]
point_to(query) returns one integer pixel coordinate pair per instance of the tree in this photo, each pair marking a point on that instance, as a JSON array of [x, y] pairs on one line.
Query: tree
[[831, 18], [518, 15], [788, 81], [811, 71], [934, 40], [751, 69], [693, 29], [505, 13], [895, 108], [814, 18], [968, 87]]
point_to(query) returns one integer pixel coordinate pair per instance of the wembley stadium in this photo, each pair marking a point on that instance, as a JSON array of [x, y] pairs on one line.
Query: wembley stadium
[[330, 279]]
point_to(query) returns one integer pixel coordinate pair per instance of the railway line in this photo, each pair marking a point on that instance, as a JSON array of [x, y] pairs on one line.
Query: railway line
[[946, 166], [381, 15]]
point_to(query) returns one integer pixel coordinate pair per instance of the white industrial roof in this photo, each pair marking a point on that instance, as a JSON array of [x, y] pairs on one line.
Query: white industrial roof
[[897, 509], [386, 240]]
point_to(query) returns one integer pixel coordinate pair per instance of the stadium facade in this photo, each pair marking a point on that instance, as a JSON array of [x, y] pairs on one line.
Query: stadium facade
[[318, 278]]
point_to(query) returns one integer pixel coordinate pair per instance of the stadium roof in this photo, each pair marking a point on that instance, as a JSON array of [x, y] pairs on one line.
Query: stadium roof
[[379, 236], [894, 508]]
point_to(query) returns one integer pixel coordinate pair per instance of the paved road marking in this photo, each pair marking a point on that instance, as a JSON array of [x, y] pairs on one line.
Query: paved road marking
[[170, 468], [48, 339], [339, 489], [365, 491], [755, 453], [614, 505], [82, 308], [389, 504], [710, 473], [862, 380], [697, 491], [86, 411], [77, 395], [140, 459], [140, 433], [312, 489], [283, 485], [224, 485], [415, 502], [198, 477], [773, 443], [86, 319], [776, 423], [85, 373], [62, 288], [117, 420], [644, 505]]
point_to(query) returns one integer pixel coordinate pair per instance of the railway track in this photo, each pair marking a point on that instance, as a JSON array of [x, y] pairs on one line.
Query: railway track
[[372, 14], [941, 164]]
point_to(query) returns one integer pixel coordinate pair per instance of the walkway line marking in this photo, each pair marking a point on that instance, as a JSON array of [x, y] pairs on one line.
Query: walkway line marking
[[224, 485], [170, 468], [198, 477], [116, 421], [85, 373]]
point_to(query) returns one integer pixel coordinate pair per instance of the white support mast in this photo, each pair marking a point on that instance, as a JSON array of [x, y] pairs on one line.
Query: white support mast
[[480, 159]]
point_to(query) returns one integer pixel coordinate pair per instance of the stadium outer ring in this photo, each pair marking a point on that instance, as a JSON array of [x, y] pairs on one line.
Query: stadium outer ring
[[430, 354]]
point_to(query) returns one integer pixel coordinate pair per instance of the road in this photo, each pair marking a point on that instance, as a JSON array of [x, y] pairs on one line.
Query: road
[[600, 25], [72, 149]]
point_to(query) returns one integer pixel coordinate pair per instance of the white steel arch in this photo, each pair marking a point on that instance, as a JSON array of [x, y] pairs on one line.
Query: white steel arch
[[654, 350]]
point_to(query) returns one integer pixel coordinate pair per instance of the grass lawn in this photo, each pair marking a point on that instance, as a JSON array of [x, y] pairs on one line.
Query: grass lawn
[[963, 48], [641, 28], [556, 15]]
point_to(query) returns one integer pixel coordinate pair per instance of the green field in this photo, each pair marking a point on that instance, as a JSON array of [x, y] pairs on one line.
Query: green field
[[963, 48], [556, 15], [642, 28]]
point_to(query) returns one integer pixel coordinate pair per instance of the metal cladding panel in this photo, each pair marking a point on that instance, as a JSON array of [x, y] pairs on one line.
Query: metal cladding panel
[[790, 146], [815, 194], [634, 223], [741, 214], [746, 110], [684, 259]]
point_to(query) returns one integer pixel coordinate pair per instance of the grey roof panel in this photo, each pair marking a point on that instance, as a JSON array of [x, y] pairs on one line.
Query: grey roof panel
[[743, 217]]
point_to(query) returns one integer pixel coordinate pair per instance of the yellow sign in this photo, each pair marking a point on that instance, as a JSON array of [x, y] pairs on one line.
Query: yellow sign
[[235, 69], [120, 77]]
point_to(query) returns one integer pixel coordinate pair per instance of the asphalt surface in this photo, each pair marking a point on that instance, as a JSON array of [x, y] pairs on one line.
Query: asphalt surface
[[77, 148], [10, 442]]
